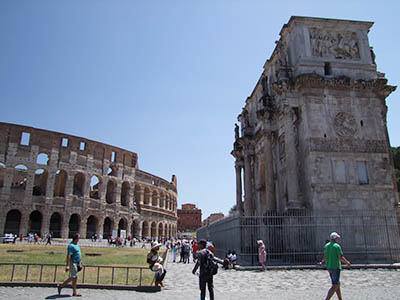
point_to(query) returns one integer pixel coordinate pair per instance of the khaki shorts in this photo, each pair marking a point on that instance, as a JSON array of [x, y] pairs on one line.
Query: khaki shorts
[[73, 270]]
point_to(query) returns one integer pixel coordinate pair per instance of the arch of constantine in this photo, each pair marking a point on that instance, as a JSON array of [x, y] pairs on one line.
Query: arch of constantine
[[59, 183]]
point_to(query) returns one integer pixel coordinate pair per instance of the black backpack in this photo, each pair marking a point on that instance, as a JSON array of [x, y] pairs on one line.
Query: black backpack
[[210, 267]]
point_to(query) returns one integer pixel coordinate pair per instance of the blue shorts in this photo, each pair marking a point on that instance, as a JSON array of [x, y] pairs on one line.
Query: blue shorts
[[335, 276]]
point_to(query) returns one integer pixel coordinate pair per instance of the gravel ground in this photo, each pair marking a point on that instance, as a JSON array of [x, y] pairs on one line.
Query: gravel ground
[[180, 284]]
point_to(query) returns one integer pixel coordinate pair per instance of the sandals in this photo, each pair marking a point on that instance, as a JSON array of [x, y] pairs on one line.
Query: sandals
[[76, 295]]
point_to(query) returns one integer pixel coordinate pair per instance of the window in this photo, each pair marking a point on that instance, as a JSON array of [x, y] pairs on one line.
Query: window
[[42, 159], [82, 146], [362, 172], [25, 137], [328, 68], [113, 156], [64, 142]]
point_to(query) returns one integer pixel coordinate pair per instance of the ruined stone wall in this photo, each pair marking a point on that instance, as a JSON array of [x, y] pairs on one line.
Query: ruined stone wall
[[54, 182]]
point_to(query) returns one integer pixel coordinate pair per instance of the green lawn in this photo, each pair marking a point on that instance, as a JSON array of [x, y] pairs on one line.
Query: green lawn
[[57, 255]]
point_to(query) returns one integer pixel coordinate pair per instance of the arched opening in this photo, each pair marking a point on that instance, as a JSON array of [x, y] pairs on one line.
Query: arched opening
[[167, 202], [95, 183], [35, 222], [125, 194], [79, 184], [40, 183], [146, 196], [55, 225], [121, 226], [91, 226], [160, 230], [162, 200], [61, 180], [112, 171], [20, 177], [42, 159], [166, 232], [137, 195], [133, 229], [13, 221], [145, 230], [74, 224], [111, 189], [107, 227], [2, 172], [154, 201], [153, 230]]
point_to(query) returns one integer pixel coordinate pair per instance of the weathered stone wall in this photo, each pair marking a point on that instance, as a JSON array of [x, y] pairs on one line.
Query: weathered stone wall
[[313, 132], [52, 181]]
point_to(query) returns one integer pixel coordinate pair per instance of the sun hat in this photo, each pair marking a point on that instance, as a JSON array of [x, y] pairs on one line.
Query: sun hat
[[260, 242], [155, 245], [334, 235]]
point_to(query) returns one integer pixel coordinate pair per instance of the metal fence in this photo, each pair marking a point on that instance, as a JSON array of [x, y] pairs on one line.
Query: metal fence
[[298, 237], [93, 275]]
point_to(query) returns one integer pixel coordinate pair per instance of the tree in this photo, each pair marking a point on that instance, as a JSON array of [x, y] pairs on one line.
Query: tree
[[233, 210]]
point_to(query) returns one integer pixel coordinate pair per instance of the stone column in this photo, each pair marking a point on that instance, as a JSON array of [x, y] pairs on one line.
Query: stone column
[[100, 226], [269, 173], [291, 159], [117, 193], [138, 229], [141, 196], [248, 197], [239, 196], [23, 227], [65, 227], [83, 227]]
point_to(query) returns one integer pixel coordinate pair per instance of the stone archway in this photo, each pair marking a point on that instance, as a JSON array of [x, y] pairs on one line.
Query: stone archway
[[74, 225], [91, 226], [35, 222], [107, 228], [122, 225], [13, 221], [56, 225]]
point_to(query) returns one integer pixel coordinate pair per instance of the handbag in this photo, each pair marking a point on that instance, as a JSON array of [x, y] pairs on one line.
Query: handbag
[[80, 266]]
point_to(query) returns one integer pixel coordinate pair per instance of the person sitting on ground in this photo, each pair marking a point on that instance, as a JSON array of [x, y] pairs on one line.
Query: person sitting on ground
[[155, 264]]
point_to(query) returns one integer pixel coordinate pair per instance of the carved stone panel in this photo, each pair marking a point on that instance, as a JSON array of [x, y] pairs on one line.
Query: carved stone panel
[[345, 124], [346, 145], [334, 44]]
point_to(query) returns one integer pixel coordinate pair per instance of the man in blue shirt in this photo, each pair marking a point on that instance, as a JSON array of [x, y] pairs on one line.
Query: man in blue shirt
[[73, 260]]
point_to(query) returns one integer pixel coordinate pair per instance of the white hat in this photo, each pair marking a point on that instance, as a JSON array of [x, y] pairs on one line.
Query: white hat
[[334, 235], [260, 242], [155, 245]]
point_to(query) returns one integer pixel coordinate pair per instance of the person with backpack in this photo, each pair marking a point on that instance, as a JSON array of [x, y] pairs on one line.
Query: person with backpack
[[208, 268]]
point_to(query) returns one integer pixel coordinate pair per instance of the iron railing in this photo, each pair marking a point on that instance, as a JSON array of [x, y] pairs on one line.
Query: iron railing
[[298, 237]]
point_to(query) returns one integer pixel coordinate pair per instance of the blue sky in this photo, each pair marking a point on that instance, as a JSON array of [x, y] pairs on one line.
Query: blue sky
[[165, 79]]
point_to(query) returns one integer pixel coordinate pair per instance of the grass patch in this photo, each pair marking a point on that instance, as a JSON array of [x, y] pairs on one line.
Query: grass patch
[[107, 258]]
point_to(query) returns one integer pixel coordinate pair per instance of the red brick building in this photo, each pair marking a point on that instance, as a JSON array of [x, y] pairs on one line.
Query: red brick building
[[189, 217]]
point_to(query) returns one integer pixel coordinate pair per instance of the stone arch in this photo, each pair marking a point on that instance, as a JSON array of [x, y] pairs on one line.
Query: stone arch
[[111, 191], [20, 177], [13, 221], [107, 227], [95, 184], [42, 159], [146, 196], [170, 230], [154, 198], [145, 229], [153, 230], [137, 195], [79, 184], [2, 173], [166, 232], [55, 224], [122, 225], [35, 222], [91, 226], [60, 183], [167, 207], [160, 230], [112, 170], [74, 224], [162, 200], [40, 182], [125, 192]]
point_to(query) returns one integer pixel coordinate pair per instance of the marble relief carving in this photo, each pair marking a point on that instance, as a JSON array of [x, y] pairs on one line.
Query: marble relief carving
[[345, 124], [333, 44]]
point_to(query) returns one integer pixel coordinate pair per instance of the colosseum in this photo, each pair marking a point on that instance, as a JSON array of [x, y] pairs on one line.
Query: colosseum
[[59, 183]]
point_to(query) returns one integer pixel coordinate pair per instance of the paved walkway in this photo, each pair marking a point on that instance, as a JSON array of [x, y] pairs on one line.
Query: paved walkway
[[242, 285]]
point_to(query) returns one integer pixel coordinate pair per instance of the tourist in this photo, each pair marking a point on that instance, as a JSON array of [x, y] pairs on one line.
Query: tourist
[[333, 256], [49, 239], [262, 254], [186, 251], [205, 275], [74, 264], [182, 251], [174, 251], [155, 264], [195, 248]]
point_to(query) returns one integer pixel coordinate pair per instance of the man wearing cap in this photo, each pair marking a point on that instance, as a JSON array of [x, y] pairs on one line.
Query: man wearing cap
[[333, 256]]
